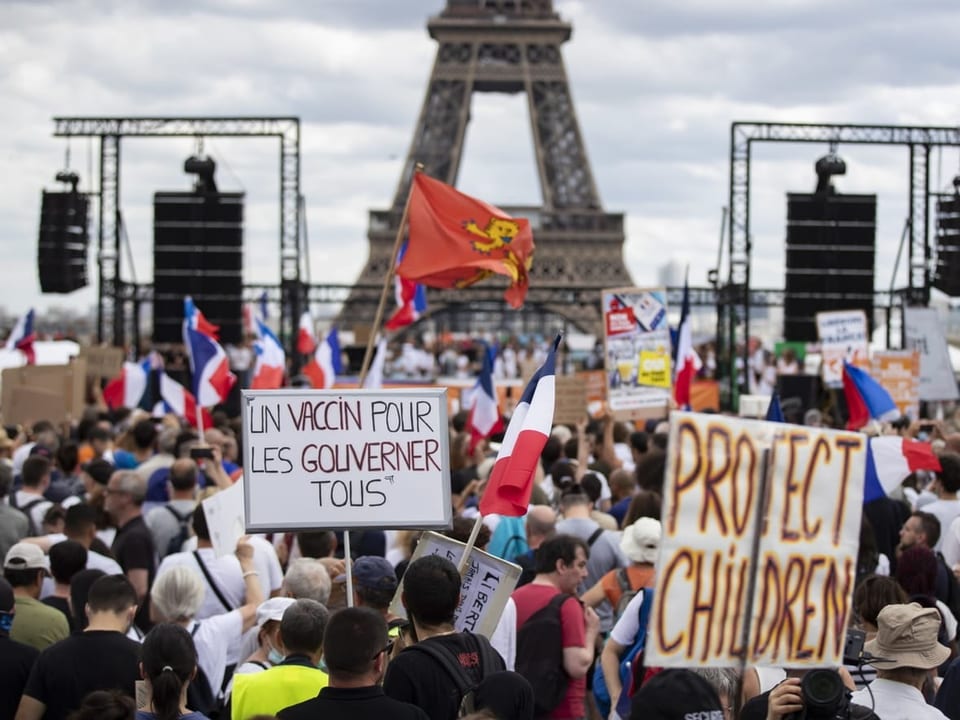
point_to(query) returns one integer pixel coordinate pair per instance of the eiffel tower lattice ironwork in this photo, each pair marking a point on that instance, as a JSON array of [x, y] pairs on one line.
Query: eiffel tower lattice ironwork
[[505, 46]]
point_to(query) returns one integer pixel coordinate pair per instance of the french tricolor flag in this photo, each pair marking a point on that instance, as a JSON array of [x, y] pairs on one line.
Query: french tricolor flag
[[890, 459], [176, 399], [484, 418], [511, 480], [271, 360], [128, 390], [325, 365], [306, 337], [686, 361], [22, 336], [411, 299], [866, 398], [212, 379]]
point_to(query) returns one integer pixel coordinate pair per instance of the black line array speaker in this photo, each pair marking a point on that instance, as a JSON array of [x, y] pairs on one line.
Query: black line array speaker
[[831, 244], [62, 245], [197, 251], [946, 276]]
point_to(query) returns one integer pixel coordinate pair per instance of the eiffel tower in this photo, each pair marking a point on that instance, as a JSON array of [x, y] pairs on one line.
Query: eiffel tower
[[507, 46]]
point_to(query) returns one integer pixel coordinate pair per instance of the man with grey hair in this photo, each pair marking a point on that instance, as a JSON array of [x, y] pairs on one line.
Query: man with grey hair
[[13, 523], [133, 545], [307, 578], [298, 677]]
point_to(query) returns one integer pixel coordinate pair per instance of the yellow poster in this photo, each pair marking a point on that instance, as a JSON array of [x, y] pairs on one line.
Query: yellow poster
[[654, 370]]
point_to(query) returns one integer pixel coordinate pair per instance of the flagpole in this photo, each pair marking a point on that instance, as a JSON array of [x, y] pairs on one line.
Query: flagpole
[[348, 562], [388, 278], [471, 541]]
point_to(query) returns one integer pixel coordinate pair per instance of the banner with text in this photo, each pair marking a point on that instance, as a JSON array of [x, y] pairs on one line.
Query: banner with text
[[488, 582], [806, 553], [637, 351], [899, 373], [843, 337], [345, 459], [923, 332]]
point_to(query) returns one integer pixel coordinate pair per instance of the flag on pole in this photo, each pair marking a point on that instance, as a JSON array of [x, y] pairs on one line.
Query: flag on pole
[[306, 337], [212, 379], [866, 398], [511, 480], [374, 378], [176, 399], [271, 362], [325, 365], [685, 360], [484, 418], [890, 459], [455, 241], [128, 389], [22, 336], [774, 410], [411, 299]]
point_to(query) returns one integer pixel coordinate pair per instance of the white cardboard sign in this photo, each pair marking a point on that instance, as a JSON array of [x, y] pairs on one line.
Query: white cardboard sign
[[923, 332], [488, 582], [224, 513], [843, 338], [341, 459]]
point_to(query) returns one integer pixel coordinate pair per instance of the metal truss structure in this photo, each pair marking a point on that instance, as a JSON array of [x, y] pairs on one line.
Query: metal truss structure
[[115, 294], [735, 298], [508, 46]]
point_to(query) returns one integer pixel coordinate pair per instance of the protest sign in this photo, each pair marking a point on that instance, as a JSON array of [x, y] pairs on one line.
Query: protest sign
[[792, 541], [488, 583], [637, 352], [102, 361], [570, 400], [68, 381], [595, 388], [899, 373], [923, 332], [345, 459], [843, 337], [224, 514]]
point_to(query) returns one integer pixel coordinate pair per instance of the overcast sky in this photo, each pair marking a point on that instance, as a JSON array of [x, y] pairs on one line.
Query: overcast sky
[[656, 85]]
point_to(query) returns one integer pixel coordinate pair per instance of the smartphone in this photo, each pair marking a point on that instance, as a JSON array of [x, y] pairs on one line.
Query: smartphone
[[926, 428], [853, 647], [201, 453]]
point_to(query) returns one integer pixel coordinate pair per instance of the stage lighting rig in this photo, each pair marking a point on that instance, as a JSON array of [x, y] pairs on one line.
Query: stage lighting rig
[[829, 165], [204, 167]]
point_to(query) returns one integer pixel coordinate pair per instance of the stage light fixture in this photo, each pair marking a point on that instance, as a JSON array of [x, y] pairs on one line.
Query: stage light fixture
[[829, 165]]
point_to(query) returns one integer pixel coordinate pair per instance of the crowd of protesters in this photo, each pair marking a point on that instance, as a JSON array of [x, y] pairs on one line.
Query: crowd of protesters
[[114, 603]]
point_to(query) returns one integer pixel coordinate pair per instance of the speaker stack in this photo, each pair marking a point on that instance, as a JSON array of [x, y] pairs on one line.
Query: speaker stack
[[62, 245], [946, 276]]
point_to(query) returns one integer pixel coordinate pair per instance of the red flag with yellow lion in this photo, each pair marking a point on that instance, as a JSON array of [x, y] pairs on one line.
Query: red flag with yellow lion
[[456, 240]]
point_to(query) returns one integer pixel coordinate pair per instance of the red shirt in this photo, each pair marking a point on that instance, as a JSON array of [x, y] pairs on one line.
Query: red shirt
[[532, 597]]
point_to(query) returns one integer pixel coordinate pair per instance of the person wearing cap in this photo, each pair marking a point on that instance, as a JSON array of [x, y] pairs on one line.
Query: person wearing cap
[[35, 624], [676, 695], [16, 659], [355, 652], [14, 525], [266, 636], [905, 651], [640, 543]]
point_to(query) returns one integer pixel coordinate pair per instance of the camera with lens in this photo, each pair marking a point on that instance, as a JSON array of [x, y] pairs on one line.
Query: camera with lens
[[825, 697]]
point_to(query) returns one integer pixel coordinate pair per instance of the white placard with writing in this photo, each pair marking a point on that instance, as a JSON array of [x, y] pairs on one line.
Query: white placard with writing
[[923, 332], [488, 582], [340, 459], [843, 337], [224, 514]]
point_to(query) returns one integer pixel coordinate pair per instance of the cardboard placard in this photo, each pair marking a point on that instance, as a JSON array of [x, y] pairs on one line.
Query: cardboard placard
[[899, 373], [488, 582], [923, 332], [102, 361], [341, 459], [68, 381], [570, 400], [806, 553], [27, 405], [843, 337], [595, 387], [224, 514]]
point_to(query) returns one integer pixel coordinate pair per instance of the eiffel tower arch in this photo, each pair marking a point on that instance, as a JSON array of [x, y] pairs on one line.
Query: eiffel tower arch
[[507, 46]]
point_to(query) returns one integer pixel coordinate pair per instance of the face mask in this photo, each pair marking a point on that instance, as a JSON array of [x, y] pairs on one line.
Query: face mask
[[275, 657], [322, 665]]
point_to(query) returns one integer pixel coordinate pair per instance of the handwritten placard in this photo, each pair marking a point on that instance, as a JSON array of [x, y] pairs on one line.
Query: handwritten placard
[[488, 582], [899, 373], [843, 337], [571, 400], [923, 332], [807, 551], [346, 459]]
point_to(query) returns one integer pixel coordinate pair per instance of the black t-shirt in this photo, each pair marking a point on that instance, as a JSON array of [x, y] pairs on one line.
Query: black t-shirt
[[133, 549], [16, 660], [63, 606], [417, 678], [70, 669], [368, 703]]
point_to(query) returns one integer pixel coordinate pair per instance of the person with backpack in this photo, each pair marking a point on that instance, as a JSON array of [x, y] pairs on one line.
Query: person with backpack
[[441, 671], [556, 635], [170, 523], [640, 543], [14, 525], [30, 499]]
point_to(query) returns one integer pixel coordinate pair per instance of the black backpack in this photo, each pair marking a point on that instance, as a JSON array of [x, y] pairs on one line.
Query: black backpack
[[464, 685], [32, 529], [183, 533], [540, 655]]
